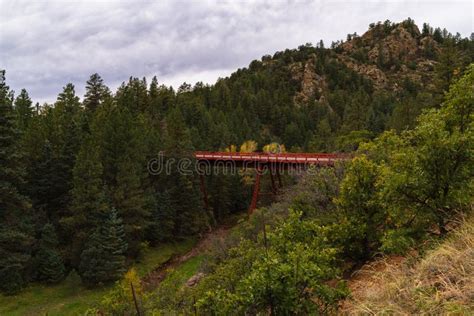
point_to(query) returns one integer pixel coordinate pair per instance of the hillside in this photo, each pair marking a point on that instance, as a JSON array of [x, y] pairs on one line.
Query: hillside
[[440, 282], [78, 197], [399, 195], [325, 99]]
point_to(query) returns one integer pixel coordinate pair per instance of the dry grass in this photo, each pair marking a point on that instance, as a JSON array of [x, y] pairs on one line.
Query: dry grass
[[442, 283]]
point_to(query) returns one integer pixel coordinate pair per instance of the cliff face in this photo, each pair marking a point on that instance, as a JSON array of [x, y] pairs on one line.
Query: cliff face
[[313, 85], [394, 56], [399, 43]]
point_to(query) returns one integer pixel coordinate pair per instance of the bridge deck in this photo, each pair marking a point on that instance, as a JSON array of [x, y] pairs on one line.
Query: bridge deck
[[285, 158]]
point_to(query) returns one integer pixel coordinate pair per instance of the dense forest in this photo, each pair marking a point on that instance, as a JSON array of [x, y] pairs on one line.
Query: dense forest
[[76, 194]]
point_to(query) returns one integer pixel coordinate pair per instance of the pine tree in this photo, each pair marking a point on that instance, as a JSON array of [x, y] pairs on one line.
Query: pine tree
[[322, 139], [45, 186], [50, 264], [132, 203], [96, 93], [64, 135], [220, 198], [427, 30], [449, 63], [15, 230], [89, 202], [51, 142], [183, 190], [103, 259], [67, 101], [133, 95], [123, 160], [162, 220], [186, 201], [24, 110], [155, 100], [357, 112], [437, 35]]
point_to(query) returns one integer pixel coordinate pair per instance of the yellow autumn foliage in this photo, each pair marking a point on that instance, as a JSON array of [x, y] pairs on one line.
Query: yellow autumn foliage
[[248, 146], [274, 148]]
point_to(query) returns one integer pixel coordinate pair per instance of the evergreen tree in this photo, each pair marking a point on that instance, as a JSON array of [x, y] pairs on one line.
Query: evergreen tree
[[67, 99], [15, 229], [437, 35], [89, 203], [64, 135], [45, 186], [220, 198], [123, 157], [133, 95], [447, 66], [50, 265], [96, 93], [322, 140], [427, 30], [183, 190], [103, 259], [155, 108], [357, 112], [24, 109], [162, 220], [132, 203]]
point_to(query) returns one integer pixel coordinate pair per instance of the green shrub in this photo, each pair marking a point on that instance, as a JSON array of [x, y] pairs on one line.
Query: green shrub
[[287, 270]]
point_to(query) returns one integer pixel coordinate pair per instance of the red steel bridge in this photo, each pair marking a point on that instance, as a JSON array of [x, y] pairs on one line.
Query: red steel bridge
[[261, 162]]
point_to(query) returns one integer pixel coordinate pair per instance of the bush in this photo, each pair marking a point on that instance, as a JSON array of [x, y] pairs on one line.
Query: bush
[[287, 271], [359, 203]]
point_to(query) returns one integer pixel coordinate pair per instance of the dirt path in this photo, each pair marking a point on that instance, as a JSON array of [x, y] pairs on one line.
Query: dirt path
[[154, 278]]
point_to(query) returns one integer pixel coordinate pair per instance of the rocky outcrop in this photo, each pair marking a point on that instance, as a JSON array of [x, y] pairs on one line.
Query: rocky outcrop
[[429, 44], [426, 65], [386, 54], [372, 72], [393, 51], [313, 85], [400, 44]]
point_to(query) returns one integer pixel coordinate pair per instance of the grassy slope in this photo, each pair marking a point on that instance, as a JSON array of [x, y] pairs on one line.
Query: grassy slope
[[184, 271], [70, 297], [440, 283]]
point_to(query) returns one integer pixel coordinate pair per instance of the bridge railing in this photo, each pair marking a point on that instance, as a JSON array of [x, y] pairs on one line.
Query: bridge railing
[[270, 157]]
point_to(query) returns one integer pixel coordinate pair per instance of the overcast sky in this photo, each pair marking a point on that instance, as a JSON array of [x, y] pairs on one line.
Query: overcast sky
[[46, 44]]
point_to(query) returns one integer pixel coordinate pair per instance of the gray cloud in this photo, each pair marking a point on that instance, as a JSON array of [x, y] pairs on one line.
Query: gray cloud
[[45, 44]]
